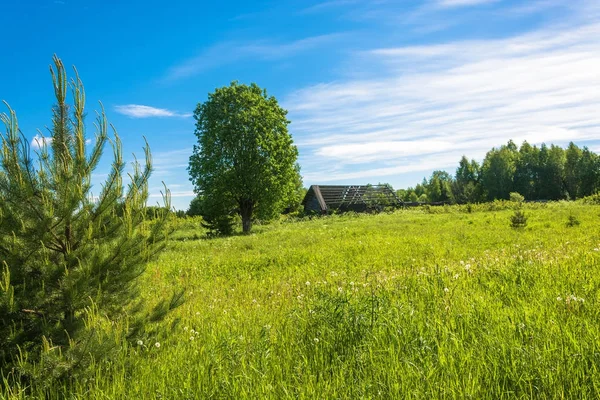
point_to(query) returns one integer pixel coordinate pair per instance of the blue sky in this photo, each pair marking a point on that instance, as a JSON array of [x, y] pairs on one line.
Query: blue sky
[[377, 91]]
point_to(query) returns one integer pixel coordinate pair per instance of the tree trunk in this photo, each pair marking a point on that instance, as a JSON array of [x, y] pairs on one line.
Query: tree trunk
[[246, 210]]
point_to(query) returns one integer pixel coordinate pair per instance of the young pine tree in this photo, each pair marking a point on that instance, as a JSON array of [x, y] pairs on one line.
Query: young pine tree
[[63, 249]]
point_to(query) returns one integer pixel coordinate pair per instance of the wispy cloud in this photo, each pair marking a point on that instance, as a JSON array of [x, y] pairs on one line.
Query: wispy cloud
[[463, 3], [327, 5], [230, 52], [174, 162], [431, 104], [141, 111]]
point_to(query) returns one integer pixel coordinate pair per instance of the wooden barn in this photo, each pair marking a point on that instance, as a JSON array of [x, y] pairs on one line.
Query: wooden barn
[[323, 199]]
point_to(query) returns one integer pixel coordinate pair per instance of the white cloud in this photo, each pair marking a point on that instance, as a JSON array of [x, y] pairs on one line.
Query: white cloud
[[141, 111], [39, 141], [434, 103]]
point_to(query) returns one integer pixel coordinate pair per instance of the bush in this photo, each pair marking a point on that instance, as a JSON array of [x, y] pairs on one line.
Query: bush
[[518, 219], [593, 199], [67, 259], [516, 197], [572, 221]]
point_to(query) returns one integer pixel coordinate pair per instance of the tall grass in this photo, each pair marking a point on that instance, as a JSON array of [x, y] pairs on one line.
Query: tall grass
[[414, 304]]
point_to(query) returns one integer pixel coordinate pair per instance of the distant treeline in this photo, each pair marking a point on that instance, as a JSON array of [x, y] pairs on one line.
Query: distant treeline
[[537, 173]]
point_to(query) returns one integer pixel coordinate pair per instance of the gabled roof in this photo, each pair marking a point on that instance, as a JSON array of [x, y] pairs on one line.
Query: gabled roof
[[352, 196]]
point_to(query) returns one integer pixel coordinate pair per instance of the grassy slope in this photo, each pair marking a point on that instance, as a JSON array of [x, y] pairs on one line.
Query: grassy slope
[[407, 305]]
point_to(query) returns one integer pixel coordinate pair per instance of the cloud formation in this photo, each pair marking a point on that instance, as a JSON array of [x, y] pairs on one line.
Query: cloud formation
[[462, 3], [225, 53], [141, 111], [430, 104]]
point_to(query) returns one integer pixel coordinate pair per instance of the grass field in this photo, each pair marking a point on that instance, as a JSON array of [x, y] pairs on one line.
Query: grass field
[[398, 306]]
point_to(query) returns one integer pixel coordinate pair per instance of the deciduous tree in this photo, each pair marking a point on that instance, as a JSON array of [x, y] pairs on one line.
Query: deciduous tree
[[245, 157]]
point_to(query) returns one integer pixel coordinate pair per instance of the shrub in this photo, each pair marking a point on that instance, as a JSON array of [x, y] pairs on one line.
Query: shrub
[[518, 219], [572, 221], [515, 197], [593, 199]]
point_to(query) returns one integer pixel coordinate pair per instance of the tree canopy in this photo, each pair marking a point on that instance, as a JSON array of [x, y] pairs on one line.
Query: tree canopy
[[537, 173], [245, 159]]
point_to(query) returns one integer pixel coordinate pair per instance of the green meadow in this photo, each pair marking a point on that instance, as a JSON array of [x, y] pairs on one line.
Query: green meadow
[[447, 302]]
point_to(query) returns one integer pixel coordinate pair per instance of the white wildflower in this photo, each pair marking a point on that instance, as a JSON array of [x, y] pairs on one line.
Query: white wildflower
[[157, 345], [140, 343]]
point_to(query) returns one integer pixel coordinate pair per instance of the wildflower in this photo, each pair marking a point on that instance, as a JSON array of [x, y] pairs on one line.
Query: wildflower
[[157, 345], [140, 343], [307, 283], [316, 340], [559, 298], [340, 289], [446, 290], [185, 329], [191, 338]]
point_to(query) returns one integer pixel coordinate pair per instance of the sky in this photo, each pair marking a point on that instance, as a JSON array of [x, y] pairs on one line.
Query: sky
[[377, 91]]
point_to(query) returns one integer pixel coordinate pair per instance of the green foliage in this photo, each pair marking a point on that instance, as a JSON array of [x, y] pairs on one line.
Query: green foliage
[[498, 170], [412, 197], [572, 221], [538, 173], [592, 199], [515, 197], [217, 216], [245, 157], [518, 219], [68, 260]]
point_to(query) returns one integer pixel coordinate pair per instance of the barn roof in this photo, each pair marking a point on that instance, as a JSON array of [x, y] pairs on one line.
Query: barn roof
[[351, 197]]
